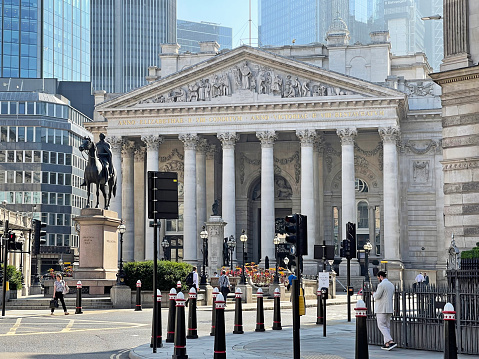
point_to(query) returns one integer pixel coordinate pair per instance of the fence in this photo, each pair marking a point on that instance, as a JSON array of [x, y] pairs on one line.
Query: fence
[[417, 321]]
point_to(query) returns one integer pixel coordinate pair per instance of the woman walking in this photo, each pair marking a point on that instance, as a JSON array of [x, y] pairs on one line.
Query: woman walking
[[58, 289]]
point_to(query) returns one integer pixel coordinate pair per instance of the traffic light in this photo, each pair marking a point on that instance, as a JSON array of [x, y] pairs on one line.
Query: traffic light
[[345, 251], [351, 236], [38, 233], [11, 241], [303, 235], [291, 228], [162, 195]]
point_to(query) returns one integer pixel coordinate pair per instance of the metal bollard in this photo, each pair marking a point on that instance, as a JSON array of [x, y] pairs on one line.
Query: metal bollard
[[450, 346], [259, 311], [138, 296], [362, 350], [159, 342], [178, 286], [192, 322], [180, 333], [319, 309], [78, 305], [277, 310], [238, 329], [213, 311], [220, 337], [170, 330]]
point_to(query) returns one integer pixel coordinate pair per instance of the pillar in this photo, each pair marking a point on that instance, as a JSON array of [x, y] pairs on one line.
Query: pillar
[[267, 139], [152, 164], [389, 136], [140, 195], [128, 210], [190, 234], [116, 144], [319, 187], [201, 191]]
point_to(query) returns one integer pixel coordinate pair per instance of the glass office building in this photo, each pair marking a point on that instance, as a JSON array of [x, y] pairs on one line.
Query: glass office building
[[189, 34], [126, 38], [45, 38]]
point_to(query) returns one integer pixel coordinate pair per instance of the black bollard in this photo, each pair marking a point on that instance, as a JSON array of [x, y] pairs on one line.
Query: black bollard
[[259, 311], [319, 309], [159, 342], [450, 346], [78, 305], [179, 351], [362, 350], [138, 296], [192, 322], [170, 330], [178, 286], [213, 311], [220, 337], [238, 329], [324, 295], [277, 310]]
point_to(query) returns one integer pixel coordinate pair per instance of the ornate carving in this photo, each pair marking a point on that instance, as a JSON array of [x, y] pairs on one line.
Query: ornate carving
[[347, 135], [420, 171], [420, 88], [116, 142], [174, 166], [360, 161], [228, 139], [190, 140], [174, 152], [307, 137], [211, 151], [203, 145], [295, 158], [152, 141], [389, 134], [127, 148], [242, 161], [282, 189], [411, 146], [267, 138], [140, 153]]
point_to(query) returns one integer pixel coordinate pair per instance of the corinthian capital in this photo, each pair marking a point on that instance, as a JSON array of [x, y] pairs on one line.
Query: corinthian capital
[[389, 134], [228, 139], [347, 135], [116, 142], [128, 148], [152, 141], [203, 145], [307, 137], [267, 138], [190, 140], [140, 153]]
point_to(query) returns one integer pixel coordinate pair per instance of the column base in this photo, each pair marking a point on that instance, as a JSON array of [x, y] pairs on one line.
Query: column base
[[355, 267], [310, 266], [394, 270]]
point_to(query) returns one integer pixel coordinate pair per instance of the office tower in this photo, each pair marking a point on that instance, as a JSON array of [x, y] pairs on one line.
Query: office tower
[[189, 34], [49, 38], [126, 38]]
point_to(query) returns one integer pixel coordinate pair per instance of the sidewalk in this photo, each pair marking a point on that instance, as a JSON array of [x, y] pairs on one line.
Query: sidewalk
[[339, 344]]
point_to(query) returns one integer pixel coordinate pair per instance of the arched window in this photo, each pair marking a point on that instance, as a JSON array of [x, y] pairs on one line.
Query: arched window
[[361, 186], [363, 216]]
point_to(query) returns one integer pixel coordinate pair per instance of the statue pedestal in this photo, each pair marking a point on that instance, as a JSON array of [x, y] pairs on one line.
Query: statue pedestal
[[98, 249], [216, 229]]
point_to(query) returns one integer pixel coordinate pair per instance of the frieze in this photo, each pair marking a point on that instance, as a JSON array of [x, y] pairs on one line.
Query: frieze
[[247, 77], [173, 153], [420, 147], [420, 171], [174, 166], [295, 158], [419, 88]]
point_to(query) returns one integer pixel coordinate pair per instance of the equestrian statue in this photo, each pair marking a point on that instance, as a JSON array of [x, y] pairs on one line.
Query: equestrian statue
[[99, 170]]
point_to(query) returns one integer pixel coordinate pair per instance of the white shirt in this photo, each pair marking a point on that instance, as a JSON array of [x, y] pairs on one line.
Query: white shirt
[[195, 280], [419, 278]]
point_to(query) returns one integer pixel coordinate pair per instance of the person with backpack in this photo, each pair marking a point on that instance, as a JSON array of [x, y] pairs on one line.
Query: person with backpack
[[192, 280], [224, 283]]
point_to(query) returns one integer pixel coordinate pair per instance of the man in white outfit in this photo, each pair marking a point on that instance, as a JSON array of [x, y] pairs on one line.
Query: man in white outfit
[[383, 298]]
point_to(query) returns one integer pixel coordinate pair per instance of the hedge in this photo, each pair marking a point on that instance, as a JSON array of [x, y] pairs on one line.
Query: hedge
[[14, 277], [471, 254], [169, 273]]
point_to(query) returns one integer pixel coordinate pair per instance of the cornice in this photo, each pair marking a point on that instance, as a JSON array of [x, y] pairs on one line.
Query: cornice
[[462, 74]]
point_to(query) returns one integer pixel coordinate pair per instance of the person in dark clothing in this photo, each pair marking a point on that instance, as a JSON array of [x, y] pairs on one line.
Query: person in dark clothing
[[59, 288]]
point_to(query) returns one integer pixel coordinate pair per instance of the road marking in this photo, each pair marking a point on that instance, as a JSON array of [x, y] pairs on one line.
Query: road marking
[[15, 327], [118, 355], [69, 326]]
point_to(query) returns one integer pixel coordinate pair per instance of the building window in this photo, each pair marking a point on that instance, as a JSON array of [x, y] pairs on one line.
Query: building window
[[377, 229], [336, 230], [363, 216], [361, 186]]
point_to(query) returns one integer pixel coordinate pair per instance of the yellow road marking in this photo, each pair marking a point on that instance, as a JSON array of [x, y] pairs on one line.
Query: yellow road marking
[[15, 327], [76, 330], [69, 326]]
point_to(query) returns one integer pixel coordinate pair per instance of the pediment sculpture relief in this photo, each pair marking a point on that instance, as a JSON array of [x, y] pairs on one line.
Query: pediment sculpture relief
[[248, 78]]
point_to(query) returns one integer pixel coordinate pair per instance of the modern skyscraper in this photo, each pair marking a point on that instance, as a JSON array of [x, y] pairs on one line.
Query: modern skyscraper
[[49, 39], [189, 34], [126, 38]]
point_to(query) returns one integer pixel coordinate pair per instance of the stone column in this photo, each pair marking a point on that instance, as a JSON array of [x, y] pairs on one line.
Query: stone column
[[456, 35], [348, 192], [389, 136], [319, 187], [140, 196], [372, 229], [211, 194], [228, 201], [116, 143], [267, 139], [200, 190], [128, 211], [190, 232], [307, 138], [152, 164]]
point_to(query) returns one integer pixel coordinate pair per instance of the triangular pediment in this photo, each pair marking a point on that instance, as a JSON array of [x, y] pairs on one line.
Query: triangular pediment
[[248, 75]]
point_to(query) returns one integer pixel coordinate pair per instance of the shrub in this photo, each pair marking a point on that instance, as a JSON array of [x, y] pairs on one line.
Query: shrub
[[169, 273], [14, 277], [471, 254]]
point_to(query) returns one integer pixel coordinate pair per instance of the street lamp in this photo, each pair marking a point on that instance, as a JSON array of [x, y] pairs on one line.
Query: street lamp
[[286, 261], [204, 237], [432, 17], [367, 248], [121, 274], [231, 247], [276, 242], [165, 244], [243, 239]]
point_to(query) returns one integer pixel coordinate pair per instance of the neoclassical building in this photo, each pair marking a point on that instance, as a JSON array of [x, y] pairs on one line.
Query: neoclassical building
[[338, 132]]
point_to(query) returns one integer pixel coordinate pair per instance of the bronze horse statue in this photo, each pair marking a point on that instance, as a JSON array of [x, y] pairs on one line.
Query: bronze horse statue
[[96, 172]]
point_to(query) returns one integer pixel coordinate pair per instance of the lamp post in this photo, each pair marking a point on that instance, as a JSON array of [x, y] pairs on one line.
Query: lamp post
[[276, 242], [165, 245], [121, 274], [4, 204], [231, 247], [367, 248], [204, 237], [243, 239], [286, 261]]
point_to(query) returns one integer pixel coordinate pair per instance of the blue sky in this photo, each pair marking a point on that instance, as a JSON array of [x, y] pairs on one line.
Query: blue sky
[[231, 13]]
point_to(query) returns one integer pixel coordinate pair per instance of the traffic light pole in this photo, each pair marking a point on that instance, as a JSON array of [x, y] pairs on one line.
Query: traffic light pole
[[348, 285], [156, 225], [5, 262], [296, 318]]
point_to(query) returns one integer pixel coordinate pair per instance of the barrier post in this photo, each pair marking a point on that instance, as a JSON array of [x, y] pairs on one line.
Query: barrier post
[[179, 352], [213, 311], [220, 336], [259, 311], [362, 350], [319, 307], [450, 347], [78, 304], [238, 329], [159, 341], [192, 321], [170, 331], [138, 296], [277, 310]]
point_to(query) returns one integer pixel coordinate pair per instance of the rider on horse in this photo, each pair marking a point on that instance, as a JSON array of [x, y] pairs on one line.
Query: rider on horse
[[104, 155]]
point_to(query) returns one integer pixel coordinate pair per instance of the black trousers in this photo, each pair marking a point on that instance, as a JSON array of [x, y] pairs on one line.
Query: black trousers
[[59, 296]]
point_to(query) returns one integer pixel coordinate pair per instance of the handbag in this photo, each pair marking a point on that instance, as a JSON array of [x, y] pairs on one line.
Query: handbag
[[53, 303], [66, 288]]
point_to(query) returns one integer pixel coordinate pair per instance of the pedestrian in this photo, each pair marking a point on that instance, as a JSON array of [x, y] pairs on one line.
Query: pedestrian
[[383, 308], [290, 280], [426, 279], [215, 274], [192, 282], [224, 283], [58, 289], [196, 283], [419, 280]]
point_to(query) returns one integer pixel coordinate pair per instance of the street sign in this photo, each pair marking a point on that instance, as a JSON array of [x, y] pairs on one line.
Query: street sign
[[323, 280], [284, 248]]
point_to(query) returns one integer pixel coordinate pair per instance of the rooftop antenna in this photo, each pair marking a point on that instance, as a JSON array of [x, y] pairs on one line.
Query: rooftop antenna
[[249, 21]]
